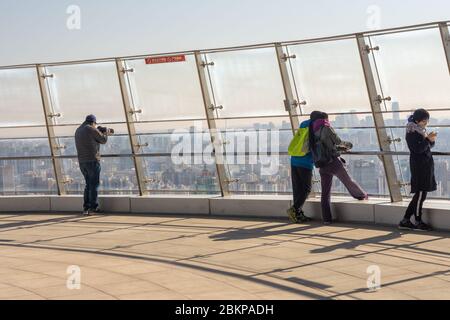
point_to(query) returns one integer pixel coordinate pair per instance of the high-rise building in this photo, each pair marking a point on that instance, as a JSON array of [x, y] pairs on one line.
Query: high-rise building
[[7, 178], [396, 113]]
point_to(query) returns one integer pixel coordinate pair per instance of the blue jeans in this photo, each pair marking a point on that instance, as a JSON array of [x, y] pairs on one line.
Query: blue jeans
[[91, 172]]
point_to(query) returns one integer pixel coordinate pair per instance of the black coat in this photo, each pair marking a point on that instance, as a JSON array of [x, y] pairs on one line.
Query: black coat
[[421, 163]]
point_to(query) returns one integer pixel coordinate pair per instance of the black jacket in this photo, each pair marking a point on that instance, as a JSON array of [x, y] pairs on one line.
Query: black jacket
[[87, 141], [421, 163]]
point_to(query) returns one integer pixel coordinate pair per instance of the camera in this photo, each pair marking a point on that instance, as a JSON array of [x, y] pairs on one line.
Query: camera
[[105, 130]]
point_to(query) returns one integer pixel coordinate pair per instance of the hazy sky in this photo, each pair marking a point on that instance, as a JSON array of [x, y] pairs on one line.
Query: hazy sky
[[34, 31]]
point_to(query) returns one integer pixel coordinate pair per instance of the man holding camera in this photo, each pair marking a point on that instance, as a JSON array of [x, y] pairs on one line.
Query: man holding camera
[[88, 139]]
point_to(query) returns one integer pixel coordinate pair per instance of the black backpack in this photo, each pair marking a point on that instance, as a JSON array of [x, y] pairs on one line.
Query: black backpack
[[322, 155]]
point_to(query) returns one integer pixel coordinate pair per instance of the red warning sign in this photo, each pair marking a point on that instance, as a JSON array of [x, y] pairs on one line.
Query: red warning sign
[[167, 59]]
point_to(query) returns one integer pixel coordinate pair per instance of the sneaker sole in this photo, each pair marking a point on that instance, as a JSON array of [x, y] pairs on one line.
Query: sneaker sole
[[406, 228]]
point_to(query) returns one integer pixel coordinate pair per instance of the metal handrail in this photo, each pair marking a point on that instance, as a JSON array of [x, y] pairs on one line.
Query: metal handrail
[[161, 155]]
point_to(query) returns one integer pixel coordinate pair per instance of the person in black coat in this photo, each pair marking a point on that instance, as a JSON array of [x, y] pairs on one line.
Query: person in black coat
[[421, 162]]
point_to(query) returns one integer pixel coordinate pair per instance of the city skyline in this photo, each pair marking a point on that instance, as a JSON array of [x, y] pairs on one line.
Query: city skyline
[[119, 176]]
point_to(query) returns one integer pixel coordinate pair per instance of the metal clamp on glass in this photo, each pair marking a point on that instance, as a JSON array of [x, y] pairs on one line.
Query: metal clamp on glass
[[369, 49], [285, 57], [404, 184], [60, 147], [136, 111], [232, 181], [142, 145], [148, 180], [214, 108], [45, 76], [54, 115], [391, 140], [315, 181], [223, 143], [128, 70], [67, 181], [380, 99], [204, 64], [294, 104]]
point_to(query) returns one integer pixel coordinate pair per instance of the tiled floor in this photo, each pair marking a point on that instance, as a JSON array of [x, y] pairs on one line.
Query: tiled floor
[[175, 257]]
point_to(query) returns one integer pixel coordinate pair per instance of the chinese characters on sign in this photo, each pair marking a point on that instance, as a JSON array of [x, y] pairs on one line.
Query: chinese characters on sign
[[167, 59]]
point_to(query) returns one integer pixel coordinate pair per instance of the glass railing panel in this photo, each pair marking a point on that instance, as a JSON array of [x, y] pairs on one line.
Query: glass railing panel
[[119, 143], [24, 142], [247, 83], [442, 174], [165, 174], [329, 76], [166, 91], [20, 98], [367, 171], [413, 69], [81, 89], [29, 176], [117, 176]]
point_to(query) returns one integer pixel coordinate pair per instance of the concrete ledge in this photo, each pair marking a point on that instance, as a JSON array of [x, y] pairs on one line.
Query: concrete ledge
[[66, 203], [251, 206], [74, 203], [375, 211], [436, 213], [170, 204], [313, 209], [25, 204], [115, 204], [355, 211]]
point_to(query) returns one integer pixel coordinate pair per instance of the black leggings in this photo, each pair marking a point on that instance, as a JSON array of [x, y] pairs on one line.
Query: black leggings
[[416, 205]]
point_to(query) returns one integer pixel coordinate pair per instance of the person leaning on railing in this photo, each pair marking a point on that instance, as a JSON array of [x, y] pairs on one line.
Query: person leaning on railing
[[421, 162], [326, 146], [88, 138], [302, 166]]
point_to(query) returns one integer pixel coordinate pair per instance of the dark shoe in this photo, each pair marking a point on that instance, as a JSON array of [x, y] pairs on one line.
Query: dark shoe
[[422, 226], [292, 214], [301, 218], [365, 198], [327, 223], [406, 225], [96, 210], [86, 213]]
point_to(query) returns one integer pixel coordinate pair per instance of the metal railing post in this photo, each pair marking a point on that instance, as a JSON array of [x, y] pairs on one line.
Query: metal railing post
[[290, 103], [49, 122], [445, 35], [129, 115], [214, 134], [375, 103]]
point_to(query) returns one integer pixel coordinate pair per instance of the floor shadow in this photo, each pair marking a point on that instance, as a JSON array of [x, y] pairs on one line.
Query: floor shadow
[[33, 223], [261, 232], [352, 244], [197, 267]]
